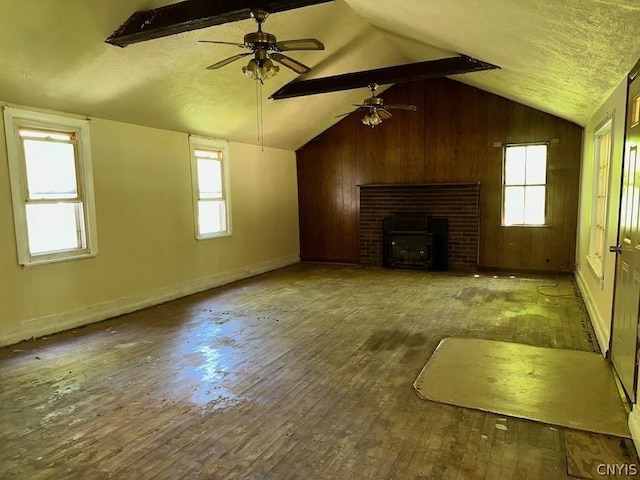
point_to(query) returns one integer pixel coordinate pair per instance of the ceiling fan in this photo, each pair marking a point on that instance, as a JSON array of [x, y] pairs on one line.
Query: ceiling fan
[[266, 49], [377, 110]]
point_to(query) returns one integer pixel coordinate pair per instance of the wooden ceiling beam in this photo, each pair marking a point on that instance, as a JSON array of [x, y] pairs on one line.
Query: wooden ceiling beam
[[397, 74], [194, 14]]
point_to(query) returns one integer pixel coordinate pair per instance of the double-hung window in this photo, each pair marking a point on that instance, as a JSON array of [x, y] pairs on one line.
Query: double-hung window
[[210, 180], [602, 158], [51, 186], [524, 184]]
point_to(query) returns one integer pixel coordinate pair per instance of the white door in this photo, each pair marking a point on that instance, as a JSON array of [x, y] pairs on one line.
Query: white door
[[624, 338]]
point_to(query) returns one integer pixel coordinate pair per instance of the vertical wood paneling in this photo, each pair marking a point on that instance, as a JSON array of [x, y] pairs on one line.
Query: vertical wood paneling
[[450, 139], [327, 196], [491, 238]]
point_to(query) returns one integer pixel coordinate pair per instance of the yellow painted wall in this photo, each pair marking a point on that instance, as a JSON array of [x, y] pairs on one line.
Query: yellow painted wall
[[146, 240], [598, 293]]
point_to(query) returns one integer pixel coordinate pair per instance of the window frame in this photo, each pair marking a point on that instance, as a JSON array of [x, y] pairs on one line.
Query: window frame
[[597, 262], [221, 146], [16, 119], [504, 185]]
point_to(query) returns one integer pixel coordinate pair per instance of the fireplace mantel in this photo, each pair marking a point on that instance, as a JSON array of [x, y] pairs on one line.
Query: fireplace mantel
[[417, 185]]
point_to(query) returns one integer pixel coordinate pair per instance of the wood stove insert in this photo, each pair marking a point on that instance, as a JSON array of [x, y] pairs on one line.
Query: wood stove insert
[[415, 240]]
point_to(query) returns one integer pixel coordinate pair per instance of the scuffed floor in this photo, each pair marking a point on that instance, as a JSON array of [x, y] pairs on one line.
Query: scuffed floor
[[305, 373]]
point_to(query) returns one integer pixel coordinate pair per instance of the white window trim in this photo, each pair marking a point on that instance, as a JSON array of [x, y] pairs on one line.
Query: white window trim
[[16, 118], [196, 142], [503, 185], [597, 264]]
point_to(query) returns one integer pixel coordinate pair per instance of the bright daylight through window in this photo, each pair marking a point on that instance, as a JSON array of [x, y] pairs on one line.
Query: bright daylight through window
[[524, 184], [210, 187], [51, 185], [602, 157]]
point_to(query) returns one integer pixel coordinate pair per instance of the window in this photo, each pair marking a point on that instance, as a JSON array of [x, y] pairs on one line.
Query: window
[[51, 186], [602, 157], [210, 179], [524, 184]]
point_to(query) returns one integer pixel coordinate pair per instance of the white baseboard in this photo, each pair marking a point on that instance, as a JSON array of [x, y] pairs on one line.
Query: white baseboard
[[596, 319], [37, 327], [634, 427]]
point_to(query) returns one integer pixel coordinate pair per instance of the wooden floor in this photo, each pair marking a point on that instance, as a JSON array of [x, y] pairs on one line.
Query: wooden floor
[[303, 373]]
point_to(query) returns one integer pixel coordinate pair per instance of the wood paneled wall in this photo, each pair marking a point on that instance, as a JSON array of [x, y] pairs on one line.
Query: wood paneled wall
[[449, 139]]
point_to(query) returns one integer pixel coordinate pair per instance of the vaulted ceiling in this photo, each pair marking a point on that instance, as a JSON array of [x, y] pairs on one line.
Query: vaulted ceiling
[[560, 57]]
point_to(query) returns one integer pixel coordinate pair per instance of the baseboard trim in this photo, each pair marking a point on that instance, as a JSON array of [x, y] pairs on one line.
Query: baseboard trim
[[50, 324], [594, 316]]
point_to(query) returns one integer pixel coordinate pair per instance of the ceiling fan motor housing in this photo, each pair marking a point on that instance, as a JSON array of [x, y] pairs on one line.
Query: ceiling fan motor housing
[[374, 101], [259, 39]]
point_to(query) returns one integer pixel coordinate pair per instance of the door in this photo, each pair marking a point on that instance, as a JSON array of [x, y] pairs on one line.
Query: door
[[624, 337]]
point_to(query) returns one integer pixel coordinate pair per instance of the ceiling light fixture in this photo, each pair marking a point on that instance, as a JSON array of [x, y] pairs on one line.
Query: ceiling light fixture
[[372, 119], [260, 68]]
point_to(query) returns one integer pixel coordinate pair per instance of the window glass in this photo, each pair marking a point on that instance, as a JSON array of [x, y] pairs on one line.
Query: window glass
[[534, 205], [514, 205], [212, 216], [210, 178], [515, 166], [51, 169], [600, 175], [53, 227], [536, 167]]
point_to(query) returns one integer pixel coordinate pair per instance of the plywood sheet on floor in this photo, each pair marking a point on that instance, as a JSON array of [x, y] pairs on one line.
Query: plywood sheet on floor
[[563, 387]]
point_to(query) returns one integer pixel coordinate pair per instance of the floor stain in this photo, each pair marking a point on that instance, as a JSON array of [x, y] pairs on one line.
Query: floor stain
[[485, 295], [394, 339]]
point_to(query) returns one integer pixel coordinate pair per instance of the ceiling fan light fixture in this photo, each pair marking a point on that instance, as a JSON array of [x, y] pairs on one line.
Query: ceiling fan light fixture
[[260, 70], [372, 119]]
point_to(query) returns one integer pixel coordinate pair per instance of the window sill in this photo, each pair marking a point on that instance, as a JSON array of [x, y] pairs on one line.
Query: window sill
[[68, 258], [526, 226], [596, 267], [209, 236]]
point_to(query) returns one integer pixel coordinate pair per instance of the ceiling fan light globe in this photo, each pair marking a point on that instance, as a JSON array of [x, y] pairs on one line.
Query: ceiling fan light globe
[[251, 70], [269, 69]]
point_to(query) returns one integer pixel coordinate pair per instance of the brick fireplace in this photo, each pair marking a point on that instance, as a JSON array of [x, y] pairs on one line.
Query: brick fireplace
[[458, 203]]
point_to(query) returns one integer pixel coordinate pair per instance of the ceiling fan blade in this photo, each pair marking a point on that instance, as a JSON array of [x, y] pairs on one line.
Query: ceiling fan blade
[[289, 62], [227, 61], [384, 115], [411, 108], [299, 44], [349, 113], [241, 45]]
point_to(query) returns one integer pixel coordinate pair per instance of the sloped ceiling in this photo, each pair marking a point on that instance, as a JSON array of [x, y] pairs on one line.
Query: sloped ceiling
[[561, 57]]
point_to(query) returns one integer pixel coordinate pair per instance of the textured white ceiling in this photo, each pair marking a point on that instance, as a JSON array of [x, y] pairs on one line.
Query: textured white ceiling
[[561, 57]]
